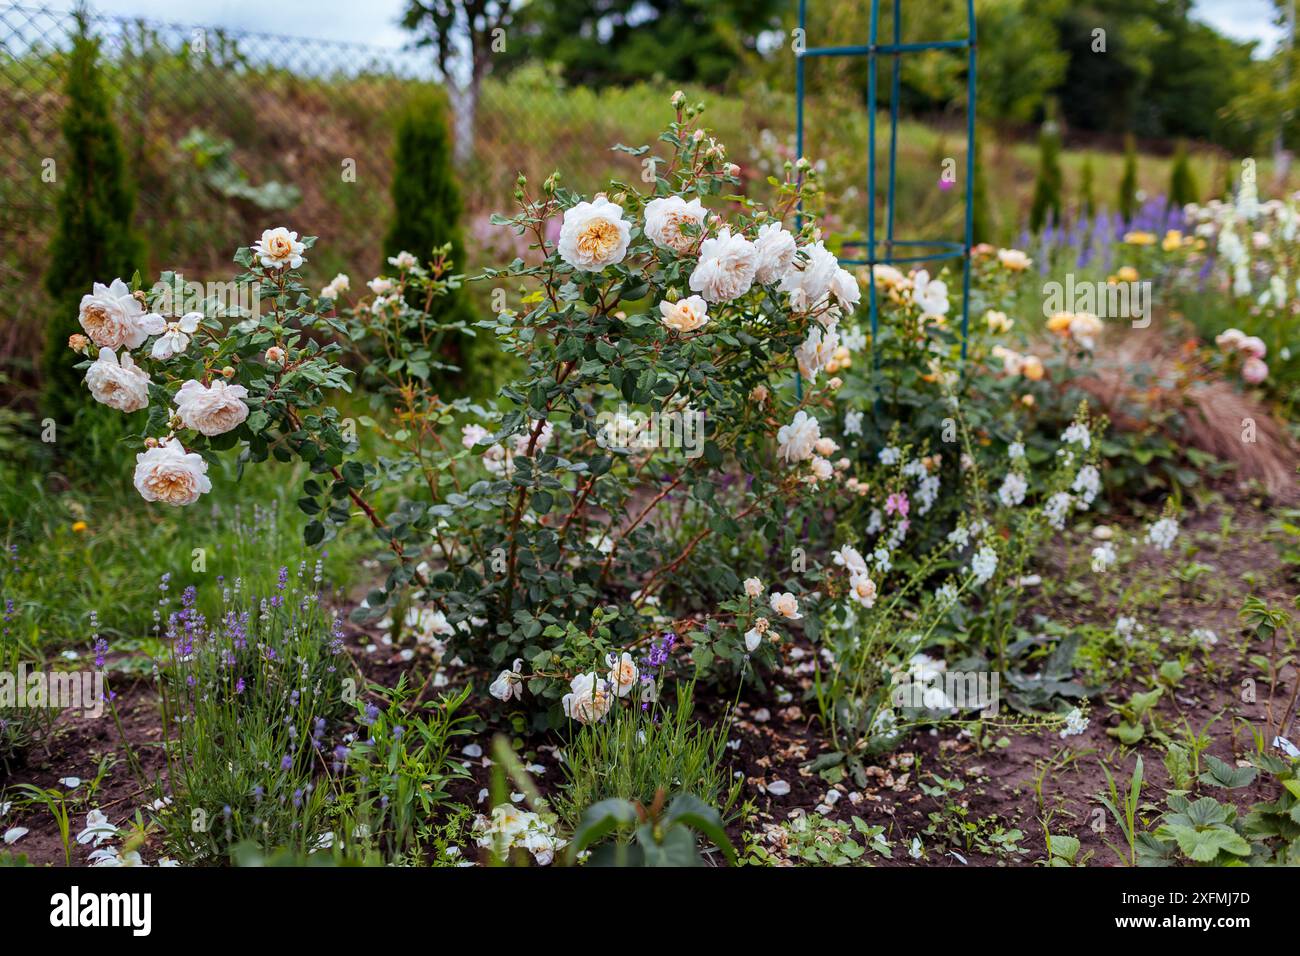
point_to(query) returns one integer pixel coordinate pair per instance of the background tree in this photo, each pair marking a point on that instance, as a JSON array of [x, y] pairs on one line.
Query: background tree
[[1047, 188], [1128, 182], [1087, 197], [93, 239], [599, 42], [466, 36], [427, 209], [1182, 182]]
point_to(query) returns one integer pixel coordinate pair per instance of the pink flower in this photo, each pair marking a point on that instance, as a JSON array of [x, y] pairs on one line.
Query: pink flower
[[1254, 370], [897, 504]]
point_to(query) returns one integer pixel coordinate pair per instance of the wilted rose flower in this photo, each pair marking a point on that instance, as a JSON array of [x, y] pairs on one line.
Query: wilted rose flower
[[509, 683], [169, 474], [275, 355], [211, 410]]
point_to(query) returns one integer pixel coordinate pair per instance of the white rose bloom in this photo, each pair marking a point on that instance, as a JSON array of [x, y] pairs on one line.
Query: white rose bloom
[[845, 288], [380, 285], [171, 475], [594, 235], [665, 217], [852, 422], [526, 436], [809, 283], [589, 701], [509, 683], [279, 248], [930, 295], [622, 673], [173, 337], [123, 386], [815, 352], [796, 441], [112, 316], [338, 285], [753, 587], [684, 315], [785, 604], [471, 435], [850, 558], [774, 251], [403, 260], [726, 267], [863, 590], [752, 639], [213, 410], [822, 470]]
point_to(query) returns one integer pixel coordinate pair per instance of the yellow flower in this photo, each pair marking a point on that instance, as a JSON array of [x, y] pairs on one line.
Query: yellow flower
[[1032, 368], [1127, 274], [79, 526], [1139, 238], [1060, 323], [997, 321], [1173, 239], [1027, 400]]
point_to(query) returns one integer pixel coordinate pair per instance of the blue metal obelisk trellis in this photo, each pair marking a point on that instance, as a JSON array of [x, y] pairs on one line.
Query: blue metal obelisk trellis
[[873, 50]]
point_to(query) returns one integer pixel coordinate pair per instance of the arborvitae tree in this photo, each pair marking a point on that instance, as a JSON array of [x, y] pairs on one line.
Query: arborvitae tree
[[1087, 199], [1182, 182], [427, 210], [426, 199], [1128, 183], [93, 239], [1047, 190]]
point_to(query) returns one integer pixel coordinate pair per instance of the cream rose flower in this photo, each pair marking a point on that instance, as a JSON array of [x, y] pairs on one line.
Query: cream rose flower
[[1014, 259], [121, 385], [589, 700], [797, 441], [211, 410], [815, 352], [753, 587], [726, 267], [169, 474], [774, 251], [622, 673], [863, 590], [112, 316], [279, 248], [785, 604], [684, 315], [665, 217], [594, 235]]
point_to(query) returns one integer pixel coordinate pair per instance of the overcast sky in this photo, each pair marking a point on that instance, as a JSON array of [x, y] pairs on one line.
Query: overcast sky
[[375, 21]]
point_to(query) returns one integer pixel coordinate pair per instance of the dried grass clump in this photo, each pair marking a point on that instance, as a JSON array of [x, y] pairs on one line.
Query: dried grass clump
[[1137, 377]]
